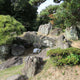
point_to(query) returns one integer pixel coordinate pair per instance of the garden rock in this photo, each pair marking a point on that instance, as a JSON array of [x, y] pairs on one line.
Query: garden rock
[[56, 32], [48, 42], [38, 41], [45, 29], [32, 65], [30, 38], [17, 77], [43, 53], [71, 33], [78, 29], [17, 50], [62, 42], [37, 45], [11, 62], [4, 51]]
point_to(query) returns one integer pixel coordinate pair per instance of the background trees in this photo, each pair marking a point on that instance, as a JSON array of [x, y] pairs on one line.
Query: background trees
[[63, 15], [22, 10], [47, 15], [68, 13], [25, 11]]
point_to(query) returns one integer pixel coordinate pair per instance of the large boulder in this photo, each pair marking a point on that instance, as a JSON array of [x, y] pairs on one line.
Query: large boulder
[[31, 38], [45, 29], [19, 41], [62, 42], [17, 77], [17, 50], [11, 62], [78, 25], [56, 32], [32, 65], [48, 41], [37, 44], [4, 51], [43, 54], [38, 40], [71, 33], [78, 29]]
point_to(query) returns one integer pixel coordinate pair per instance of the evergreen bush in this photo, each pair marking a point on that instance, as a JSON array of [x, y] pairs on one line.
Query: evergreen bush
[[9, 29], [69, 56]]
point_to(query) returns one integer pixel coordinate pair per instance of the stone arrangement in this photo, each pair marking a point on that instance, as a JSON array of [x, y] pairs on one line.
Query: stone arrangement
[[45, 37]]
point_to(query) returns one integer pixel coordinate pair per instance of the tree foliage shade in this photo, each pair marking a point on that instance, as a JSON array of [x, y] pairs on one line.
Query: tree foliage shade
[[22, 10]]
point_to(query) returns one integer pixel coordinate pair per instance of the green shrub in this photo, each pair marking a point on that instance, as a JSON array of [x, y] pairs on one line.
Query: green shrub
[[73, 59], [69, 56], [9, 29], [64, 52]]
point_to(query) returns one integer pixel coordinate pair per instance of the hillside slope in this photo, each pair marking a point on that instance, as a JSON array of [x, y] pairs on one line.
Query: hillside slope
[[50, 72]]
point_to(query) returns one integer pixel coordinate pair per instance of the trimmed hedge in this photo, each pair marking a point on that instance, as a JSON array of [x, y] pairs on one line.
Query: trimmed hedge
[[69, 56]]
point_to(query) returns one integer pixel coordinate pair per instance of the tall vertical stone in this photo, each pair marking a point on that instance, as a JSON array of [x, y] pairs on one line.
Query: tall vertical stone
[[45, 29], [71, 33]]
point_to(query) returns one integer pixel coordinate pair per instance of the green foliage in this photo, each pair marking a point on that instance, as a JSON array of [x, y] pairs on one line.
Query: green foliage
[[69, 56], [21, 10], [73, 59], [68, 51], [43, 17], [49, 10], [9, 28], [36, 2], [67, 13], [11, 71], [57, 1]]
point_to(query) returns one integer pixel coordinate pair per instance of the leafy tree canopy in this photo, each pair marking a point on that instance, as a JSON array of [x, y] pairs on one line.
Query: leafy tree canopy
[[68, 13], [46, 15], [65, 14], [36, 2]]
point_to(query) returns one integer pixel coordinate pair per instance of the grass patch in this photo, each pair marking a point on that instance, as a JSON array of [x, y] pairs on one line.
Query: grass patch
[[48, 64], [0, 62], [11, 71]]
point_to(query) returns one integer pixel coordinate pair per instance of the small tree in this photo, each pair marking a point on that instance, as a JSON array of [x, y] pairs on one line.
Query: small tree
[[9, 29]]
